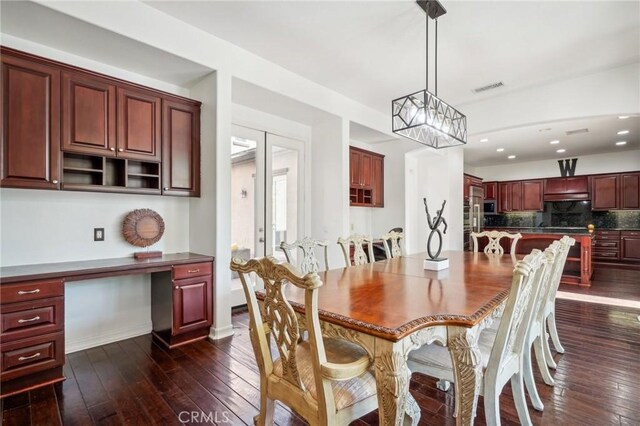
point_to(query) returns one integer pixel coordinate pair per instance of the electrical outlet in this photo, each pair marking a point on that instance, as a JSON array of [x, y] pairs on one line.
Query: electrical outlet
[[98, 234]]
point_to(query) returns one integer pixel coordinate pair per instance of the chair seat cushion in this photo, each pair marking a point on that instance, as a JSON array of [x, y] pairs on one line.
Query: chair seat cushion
[[346, 392], [438, 357]]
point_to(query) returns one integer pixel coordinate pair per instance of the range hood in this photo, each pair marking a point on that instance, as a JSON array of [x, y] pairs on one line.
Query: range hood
[[567, 189]]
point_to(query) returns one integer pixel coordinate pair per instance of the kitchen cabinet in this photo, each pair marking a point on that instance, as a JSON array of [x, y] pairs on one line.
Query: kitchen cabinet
[[566, 188], [490, 190], [630, 191], [30, 125], [192, 301], [366, 178], [88, 114], [504, 197], [604, 192], [468, 182], [630, 246], [515, 196], [139, 120], [532, 195], [181, 148], [606, 246]]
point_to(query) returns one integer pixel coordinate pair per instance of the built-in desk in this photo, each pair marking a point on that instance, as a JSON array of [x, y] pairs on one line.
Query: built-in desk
[[32, 310]]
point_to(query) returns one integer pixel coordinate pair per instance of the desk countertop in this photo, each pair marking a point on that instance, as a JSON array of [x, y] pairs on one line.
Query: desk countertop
[[88, 269]]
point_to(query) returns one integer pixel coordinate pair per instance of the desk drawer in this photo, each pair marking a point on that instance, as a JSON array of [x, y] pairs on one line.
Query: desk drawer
[[28, 319], [191, 270], [28, 356], [31, 290]]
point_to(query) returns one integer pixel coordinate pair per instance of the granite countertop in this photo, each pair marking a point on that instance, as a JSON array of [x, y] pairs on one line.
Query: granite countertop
[[545, 230]]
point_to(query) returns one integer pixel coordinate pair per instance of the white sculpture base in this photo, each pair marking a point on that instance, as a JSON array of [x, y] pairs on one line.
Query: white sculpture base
[[436, 265]]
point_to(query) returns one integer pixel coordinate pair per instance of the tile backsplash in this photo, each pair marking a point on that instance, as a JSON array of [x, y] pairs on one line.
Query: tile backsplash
[[567, 214]]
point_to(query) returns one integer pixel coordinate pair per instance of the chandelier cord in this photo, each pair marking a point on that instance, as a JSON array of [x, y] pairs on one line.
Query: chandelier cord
[[436, 63], [427, 51]]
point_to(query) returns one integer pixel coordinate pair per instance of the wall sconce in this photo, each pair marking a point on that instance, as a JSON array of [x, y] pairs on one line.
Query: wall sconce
[[243, 193]]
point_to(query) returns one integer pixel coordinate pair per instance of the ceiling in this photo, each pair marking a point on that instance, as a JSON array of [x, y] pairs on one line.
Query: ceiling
[[373, 51], [532, 143]]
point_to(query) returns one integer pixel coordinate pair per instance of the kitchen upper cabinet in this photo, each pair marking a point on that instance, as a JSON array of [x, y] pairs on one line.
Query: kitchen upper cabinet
[[604, 192], [139, 124], [630, 191], [490, 190], [532, 191], [30, 125], [566, 188], [468, 182], [181, 148], [515, 191], [504, 197], [88, 114], [366, 178]]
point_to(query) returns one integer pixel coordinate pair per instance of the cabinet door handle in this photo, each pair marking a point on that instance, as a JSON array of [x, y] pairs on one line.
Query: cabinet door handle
[[24, 358], [54, 182], [22, 292], [36, 318], [166, 188], [120, 149], [193, 271], [112, 149]]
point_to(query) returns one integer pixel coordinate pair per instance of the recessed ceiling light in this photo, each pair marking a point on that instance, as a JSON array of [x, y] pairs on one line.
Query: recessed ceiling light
[[500, 149], [560, 151], [554, 142], [623, 117], [621, 143], [545, 129], [623, 132], [484, 140], [511, 157]]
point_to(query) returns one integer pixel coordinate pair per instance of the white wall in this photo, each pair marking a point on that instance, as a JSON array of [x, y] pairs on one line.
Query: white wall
[[613, 162], [57, 226], [437, 175]]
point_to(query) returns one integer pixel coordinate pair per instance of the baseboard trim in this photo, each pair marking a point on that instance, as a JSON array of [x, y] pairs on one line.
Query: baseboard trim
[[122, 333], [220, 333]]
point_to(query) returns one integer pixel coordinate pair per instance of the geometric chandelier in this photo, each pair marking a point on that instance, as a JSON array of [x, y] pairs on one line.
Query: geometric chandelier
[[422, 116]]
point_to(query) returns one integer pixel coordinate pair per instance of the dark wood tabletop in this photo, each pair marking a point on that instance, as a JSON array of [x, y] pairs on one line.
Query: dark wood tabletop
[[88, 269], [394, 298]]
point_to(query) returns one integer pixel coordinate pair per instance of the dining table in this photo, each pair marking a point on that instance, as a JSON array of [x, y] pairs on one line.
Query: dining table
[[394, 306]]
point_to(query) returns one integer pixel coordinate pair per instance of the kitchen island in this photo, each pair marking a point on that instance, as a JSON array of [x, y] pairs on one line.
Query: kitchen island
[[578, 268]]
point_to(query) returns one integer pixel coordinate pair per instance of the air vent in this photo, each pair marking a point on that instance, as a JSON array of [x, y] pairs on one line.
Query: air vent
[[488, 87], [576, 132]]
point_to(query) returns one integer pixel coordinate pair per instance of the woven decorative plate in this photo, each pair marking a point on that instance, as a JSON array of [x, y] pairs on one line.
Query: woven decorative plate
[[143, 227]]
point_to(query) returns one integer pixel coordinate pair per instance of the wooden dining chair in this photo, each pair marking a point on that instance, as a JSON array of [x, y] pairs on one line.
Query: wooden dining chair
[[308, 246], [493, 245], [391, 242], [359, 255], [326, 381], [501, 353]]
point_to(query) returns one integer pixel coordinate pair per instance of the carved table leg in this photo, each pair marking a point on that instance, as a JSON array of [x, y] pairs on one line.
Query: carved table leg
[[392, 381], [411, 410], [467, 370]]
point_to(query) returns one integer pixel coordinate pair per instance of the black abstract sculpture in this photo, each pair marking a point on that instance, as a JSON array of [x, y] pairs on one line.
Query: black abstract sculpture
[[434, 224]]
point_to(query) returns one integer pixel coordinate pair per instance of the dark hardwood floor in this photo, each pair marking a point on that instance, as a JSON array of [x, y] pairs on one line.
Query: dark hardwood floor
[[137, 382], [610, 282]]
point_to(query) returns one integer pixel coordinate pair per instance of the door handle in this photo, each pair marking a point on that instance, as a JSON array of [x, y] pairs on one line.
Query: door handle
[[261, 240]]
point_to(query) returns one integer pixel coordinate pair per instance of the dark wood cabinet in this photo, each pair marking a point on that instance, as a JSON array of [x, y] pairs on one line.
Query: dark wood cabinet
[[630, 191], [630, 245], [366, 178], [191, 304], [515, 190], [377, 181], [468, 182], [88, 114], [532, 199], [490, 190], [604, 192], [139, 121], [181, 148], [30, 124], [566, 188], [504, 197]]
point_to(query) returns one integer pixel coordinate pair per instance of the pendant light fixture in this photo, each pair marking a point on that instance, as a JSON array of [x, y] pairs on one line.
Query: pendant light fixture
[[423, 116]]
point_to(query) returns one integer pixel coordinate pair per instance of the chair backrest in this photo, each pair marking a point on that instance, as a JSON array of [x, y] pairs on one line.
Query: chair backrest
[[278, 319], [394, 238], [493, 245], [359, 255], [552, 256], [309, 262], [555, 276], [516, 319]]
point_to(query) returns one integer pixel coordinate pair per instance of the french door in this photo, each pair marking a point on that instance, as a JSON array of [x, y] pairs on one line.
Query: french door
[[267, 197]]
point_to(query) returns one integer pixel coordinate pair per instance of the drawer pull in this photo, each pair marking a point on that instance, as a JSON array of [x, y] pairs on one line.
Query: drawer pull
[[24, 358], [22, 292], [28, 320], [193, 271]]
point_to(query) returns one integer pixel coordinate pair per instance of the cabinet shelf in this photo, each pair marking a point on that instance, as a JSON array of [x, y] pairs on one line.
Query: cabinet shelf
[[82, 170], [143, 175]]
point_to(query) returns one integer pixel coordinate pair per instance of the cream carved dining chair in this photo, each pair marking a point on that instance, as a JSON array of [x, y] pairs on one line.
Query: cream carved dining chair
[[501, 353], [391, 241], [308, 246], [359, 255], [493, 245], [326, 381]]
